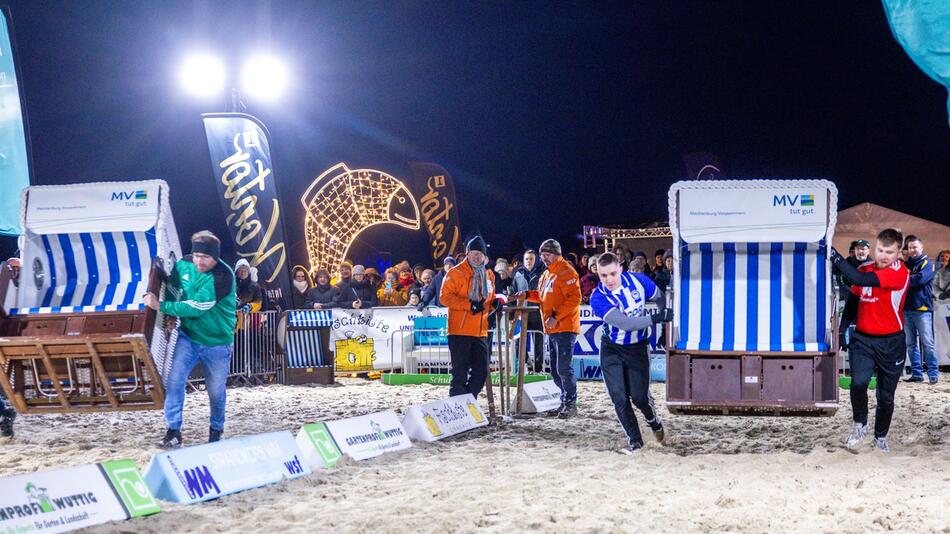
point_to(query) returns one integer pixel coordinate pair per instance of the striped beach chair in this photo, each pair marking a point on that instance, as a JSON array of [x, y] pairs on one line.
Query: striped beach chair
[[303, 337], [755, 329], [79, 337]]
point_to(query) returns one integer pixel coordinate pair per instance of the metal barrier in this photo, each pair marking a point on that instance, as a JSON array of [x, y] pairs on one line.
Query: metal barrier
[[255, 358]]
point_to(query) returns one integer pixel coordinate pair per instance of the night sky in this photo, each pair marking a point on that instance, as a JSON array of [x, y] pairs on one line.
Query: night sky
[[548, 115]]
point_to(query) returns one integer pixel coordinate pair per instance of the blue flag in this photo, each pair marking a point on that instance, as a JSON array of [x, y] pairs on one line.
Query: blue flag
[[922, 27], [14, 163]]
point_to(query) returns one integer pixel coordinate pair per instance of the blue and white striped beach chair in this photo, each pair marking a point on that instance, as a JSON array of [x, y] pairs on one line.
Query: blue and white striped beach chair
[[78, 336], [755, 329]]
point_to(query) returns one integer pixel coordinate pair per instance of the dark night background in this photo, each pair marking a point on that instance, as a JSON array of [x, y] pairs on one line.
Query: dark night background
[[549, 115]]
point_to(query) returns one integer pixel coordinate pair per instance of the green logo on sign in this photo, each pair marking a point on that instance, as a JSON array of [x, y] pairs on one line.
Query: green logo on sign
[[323, 443], [38, 496], [128, 484]]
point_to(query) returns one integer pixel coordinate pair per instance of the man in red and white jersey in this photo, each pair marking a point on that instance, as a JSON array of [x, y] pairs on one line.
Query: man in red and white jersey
[[877, 346]]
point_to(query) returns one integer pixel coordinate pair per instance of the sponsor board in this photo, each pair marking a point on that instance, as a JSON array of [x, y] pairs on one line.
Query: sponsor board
[[318, 447], [204, 472], [443, 418], [588, 367], [68, 499], [540, 397], [132, 207], [368, 436]]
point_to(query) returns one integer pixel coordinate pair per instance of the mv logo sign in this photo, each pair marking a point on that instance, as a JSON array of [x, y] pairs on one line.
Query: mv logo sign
[[793, 200], [130, 195]]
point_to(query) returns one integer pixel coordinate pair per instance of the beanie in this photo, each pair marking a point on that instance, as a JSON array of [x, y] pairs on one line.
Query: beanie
[[550, 246], [477, 243]]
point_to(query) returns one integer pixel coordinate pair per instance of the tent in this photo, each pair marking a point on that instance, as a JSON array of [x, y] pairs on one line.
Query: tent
[[865, 220]]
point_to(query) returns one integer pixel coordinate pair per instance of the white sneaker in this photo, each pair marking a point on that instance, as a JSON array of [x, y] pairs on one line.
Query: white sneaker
[[881, 444], [858, 432]]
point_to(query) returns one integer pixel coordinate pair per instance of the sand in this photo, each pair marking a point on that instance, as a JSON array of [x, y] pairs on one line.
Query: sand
[[713, 473]]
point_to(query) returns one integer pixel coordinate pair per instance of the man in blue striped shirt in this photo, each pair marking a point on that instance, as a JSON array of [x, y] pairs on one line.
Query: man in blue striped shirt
[[620, 301]]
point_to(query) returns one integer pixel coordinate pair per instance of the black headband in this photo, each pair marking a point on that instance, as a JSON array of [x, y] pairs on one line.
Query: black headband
[[206, 247]]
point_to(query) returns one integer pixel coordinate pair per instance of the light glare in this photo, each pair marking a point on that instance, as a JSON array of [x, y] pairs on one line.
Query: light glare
[[264, 77], [203, 75]]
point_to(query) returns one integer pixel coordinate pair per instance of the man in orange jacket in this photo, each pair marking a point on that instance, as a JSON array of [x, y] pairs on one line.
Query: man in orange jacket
[[559, 292], [469, 293]]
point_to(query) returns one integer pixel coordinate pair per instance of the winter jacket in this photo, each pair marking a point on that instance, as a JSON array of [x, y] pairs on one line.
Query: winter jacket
[[397, 297], [525, 280], [920, 289], [454, 295], [324, 295], [430, 294], [941, 287], [205, 302], [559, 292], [249, 294], [299, 298], [588, 284], [663, 278], [347, 292]]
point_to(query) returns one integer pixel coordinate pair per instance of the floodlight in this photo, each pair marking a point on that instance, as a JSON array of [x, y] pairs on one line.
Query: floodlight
[[264, 77], [203, 75]]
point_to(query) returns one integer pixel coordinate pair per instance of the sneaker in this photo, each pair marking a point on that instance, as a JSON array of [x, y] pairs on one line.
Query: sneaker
[[633, 449], [172, 440], [554, 412], [6, 422], [914, 379], [932, 380], [657, 427], [214, 435], [569, 410], [881, 444], [857, 434]]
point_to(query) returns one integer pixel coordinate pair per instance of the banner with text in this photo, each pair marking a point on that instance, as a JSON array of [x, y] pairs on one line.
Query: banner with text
[[435, 191], [370, 435], [241, 164], [443, 418], [204, 472]]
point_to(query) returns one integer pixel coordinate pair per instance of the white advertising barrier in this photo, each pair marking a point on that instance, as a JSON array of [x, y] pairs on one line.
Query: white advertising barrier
[[443, 418], [752, 212], [204, 472], [317, 445], [540, 397], [368, 436], [72, 498], [942, 331], [363, 340]]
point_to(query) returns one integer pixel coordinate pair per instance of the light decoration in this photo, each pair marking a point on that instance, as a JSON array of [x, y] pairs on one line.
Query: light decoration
[[341, 203]]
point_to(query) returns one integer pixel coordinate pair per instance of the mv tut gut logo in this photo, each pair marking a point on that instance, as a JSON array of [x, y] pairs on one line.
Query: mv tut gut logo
[[800, 204], [132, 199], [38, 502]]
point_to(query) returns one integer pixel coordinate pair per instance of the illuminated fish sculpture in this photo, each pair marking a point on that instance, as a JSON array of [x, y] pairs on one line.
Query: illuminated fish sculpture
[[341, 203]]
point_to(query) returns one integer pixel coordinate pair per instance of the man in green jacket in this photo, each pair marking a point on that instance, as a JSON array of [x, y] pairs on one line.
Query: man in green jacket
[[201, 291]]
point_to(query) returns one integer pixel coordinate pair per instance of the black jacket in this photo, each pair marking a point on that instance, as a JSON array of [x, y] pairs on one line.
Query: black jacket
[[325, 295], [347, 292], [430, 294]]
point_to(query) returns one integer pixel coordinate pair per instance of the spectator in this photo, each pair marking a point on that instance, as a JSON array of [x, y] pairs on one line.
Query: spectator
[[301, 286], [860, 251], [10, 301], [417, 271], [392, 293], [526, 278], [664, 275], [658, 262], [373, 277], [322, 296], [943, 258], [645, 264], [357, 293], [623, 257], [249, 294], [583, 265], [415, 297], [405, 277], [918, 312], [590, 280], [941, 289], [344, 272], [513, 266], [639, 264], [430, 296], [427, 276], [502, 277]]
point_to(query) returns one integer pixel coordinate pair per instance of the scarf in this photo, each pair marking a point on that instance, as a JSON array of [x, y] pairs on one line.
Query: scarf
[[301, 286], [478, 290]]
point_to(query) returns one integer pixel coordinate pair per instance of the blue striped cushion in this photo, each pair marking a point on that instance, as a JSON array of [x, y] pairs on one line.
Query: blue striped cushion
[[753, 297]]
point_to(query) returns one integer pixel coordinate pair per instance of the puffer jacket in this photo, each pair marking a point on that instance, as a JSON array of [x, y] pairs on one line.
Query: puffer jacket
[[454, 295], [559, 293]]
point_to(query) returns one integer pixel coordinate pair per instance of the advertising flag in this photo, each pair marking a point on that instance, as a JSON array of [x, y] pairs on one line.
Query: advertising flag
[[436, 193]]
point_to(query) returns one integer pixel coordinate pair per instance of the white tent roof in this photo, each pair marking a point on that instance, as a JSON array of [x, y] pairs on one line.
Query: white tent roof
[[865, 220]]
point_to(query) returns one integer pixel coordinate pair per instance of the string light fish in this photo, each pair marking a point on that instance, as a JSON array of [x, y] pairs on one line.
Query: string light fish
[[341, 203]]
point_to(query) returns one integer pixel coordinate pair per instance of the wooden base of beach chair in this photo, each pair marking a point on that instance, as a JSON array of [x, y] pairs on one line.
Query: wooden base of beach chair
[[92, 373]]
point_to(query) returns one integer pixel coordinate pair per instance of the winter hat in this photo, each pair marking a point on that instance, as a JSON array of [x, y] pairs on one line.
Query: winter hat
[[322, 272], [359, 269], [641, 254], [592, 260], [346, 263], [477, 243], [449, 259], [550, 246], [501, 265], [371, 271], [668, 254], [242, 263]]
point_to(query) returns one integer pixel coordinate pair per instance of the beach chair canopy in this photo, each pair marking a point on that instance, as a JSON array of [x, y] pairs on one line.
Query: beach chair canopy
[[751, 269], [89, 247]]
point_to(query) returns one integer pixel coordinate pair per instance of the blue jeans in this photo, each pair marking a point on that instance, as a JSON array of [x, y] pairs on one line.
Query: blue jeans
[[920, 324], [217, 363], [561, 347]]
